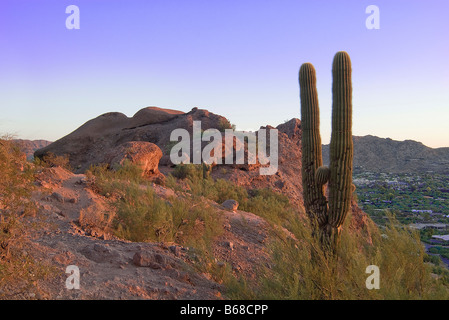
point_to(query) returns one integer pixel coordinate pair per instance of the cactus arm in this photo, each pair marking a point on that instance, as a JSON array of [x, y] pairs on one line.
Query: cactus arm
[[314, 199], [341, 146]]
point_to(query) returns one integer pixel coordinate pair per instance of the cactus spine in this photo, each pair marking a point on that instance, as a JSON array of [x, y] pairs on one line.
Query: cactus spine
[[331, 215]]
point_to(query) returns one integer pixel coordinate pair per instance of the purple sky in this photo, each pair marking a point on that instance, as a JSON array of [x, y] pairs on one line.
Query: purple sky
[[239, 59]]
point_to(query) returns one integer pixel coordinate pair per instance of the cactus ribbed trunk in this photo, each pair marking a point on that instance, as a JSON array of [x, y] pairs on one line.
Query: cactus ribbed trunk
[[341, 146], [314, 199]]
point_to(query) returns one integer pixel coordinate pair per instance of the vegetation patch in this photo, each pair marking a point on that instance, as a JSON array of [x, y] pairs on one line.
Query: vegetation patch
[[20, 273]]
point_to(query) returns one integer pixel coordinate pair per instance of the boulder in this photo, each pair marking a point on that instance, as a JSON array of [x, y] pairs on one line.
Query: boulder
[[145, 259], [144, 154], [231, 205], [101, 253]]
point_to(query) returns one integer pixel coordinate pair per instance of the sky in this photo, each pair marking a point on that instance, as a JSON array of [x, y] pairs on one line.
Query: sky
[[236, 58]]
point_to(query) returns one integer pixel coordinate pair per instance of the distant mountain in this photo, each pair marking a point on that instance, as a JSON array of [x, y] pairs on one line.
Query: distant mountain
[[29, 146], [386, 155]]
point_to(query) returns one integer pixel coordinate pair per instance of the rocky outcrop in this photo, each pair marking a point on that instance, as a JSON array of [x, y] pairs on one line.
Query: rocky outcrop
[[89, 144], [144, 154]]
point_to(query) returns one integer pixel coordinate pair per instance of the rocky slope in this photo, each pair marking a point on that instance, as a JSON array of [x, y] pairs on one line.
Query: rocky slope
[[390, 156], [111, 268]]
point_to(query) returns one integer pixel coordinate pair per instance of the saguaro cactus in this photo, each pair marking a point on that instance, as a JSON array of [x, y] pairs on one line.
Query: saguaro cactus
[[330, 214]]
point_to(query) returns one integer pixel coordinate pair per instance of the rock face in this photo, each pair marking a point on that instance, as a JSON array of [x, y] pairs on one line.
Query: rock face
[[144, 154]]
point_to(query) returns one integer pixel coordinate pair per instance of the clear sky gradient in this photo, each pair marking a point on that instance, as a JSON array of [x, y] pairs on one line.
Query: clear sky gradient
[[236, 58]]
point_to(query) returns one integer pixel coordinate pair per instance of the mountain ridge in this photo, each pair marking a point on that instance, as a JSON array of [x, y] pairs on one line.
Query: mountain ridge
[[385, 155], [29, 146]]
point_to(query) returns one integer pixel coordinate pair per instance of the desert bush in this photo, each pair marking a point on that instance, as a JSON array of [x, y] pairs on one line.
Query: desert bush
[[95, 219], [19, 272], [191, 171], [109, 182], [16, 184], [224, 124], [52, 160], [142, 215], [272, 206]]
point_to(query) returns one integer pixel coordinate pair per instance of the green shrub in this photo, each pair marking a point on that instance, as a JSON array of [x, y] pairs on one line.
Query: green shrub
[[224, 124], [443, 251], [51, 160], [144, 216], [436, 260], [272, 206], [191, 171]]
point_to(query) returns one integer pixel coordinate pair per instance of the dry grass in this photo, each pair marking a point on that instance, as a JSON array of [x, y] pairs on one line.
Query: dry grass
[[144, 216], [307, 270]]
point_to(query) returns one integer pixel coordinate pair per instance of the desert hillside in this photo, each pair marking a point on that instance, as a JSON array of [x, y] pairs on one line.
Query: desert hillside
[[107, 199], [113, 268]]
